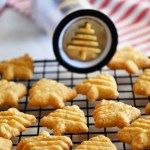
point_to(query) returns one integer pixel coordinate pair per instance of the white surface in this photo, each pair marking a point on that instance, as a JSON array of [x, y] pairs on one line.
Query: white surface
[[18, 36]]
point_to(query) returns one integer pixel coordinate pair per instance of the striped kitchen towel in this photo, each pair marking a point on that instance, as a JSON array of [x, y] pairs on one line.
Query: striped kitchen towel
[[132, 18]]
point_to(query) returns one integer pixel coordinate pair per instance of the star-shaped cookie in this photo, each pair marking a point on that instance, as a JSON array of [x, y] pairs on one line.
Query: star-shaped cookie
[[137, 134], [11, 92], [17, 68], [69, 119], [101, 86], [13, 122], [142, 84], [129, 59], [47, 92], [99, 142], [45, 141], [111, 114]]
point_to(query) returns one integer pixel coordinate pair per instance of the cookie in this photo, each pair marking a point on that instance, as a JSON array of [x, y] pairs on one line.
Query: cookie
[[45, 141], [13, 122], [11, 92], [129, 59], [17, 68], [142, 84], [5, 144], [111, 114], [101, 86], [137, 133], [47, 92], [84, 45], [69, 119], [97, 143], [147, 108]]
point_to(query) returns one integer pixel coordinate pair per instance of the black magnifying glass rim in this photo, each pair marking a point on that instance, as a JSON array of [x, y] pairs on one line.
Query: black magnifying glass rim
[[72, 16]]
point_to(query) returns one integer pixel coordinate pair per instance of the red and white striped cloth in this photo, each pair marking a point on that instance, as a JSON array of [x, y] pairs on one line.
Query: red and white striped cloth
[[132, 19]]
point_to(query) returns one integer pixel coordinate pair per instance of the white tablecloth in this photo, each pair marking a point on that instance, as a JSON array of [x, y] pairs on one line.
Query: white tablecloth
[[18, 36]]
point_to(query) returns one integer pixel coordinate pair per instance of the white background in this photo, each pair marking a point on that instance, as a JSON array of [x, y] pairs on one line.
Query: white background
[[18, 36]]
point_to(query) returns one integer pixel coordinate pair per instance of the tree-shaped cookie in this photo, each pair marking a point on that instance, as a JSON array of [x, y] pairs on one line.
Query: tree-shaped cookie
[[142, 84], [129, 59], [111, 114], [99, 142], [46, 92], [101, 86], [11, 92], [137, 134], [17, 68], [84, 45], [69, 119], [45, 141], [13, 122]]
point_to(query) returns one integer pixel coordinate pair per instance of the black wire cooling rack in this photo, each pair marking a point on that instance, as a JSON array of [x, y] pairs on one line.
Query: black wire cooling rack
[[52, 70]]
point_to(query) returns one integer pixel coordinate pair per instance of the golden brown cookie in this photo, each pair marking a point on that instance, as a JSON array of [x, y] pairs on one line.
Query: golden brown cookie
[[147, 108], [47, 92], [100, 142], [11, 92], [137, 134], [69, 119], [45, 141], [111, 114], [84, 45], [17, 68], [5, 144], [101, 86], [142, 84], [129, 59], [13, 122]]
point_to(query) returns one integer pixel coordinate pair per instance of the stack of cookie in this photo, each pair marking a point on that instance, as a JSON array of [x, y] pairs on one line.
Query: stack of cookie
[[135, 130]]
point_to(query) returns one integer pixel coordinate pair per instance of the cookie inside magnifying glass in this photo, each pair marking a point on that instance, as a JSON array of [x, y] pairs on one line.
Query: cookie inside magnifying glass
[[85, 41]]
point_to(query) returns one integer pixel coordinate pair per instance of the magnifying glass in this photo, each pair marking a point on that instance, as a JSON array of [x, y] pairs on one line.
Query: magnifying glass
[[85, 41]]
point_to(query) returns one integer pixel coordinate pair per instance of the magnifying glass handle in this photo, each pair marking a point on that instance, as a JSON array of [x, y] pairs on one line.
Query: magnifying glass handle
[[49, 13]]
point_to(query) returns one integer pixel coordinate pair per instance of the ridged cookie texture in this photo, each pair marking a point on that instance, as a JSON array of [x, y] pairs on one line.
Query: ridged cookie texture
[[129, 59], [11, 92], [142, 84], [112, 113], [137, 134], [46, 92], [84, 46], [100, 142], [45, 141], [69, 119], [101, 86], [17, 68], [5, 144], [147, 108], [13, 122]]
